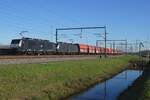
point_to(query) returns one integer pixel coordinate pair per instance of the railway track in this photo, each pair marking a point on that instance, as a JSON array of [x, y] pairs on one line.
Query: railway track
[[42, 56], [5, 60]]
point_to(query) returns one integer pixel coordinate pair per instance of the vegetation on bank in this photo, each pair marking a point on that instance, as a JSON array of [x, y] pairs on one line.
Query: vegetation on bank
[[56, 80], [140, 90]]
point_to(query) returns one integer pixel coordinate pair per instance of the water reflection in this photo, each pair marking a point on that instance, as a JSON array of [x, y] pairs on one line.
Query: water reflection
[[110, 89]]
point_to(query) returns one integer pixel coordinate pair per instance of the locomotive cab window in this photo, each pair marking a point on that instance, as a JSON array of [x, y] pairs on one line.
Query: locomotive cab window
[[15, 42]]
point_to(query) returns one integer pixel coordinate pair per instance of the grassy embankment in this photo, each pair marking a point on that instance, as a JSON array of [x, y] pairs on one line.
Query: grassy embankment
[[55, 80], [140, 89]]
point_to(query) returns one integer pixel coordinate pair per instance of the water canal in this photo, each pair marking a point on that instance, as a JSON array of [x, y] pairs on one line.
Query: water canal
[[110, 89]]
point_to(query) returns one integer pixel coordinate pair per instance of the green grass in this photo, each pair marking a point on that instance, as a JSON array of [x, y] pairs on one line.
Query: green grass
[[140, 89], [55, 80]]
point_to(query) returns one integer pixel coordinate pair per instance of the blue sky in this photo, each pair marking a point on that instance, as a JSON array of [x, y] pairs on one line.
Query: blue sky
[[125, 19]]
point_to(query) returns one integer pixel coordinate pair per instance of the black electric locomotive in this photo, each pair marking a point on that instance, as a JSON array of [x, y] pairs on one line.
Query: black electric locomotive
[[67, 48], [39, 46], [33, 46]]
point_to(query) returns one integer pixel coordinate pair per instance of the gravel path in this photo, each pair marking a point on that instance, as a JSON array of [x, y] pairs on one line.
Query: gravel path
[[42, 60]]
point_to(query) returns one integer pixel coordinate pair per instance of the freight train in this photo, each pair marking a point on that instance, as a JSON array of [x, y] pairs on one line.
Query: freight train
[[38, 46]]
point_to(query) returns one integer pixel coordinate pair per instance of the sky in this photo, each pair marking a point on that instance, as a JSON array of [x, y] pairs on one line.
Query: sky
[[124, 19]]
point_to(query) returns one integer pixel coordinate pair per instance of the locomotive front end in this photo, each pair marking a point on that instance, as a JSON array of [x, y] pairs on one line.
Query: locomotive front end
[[16, 43]]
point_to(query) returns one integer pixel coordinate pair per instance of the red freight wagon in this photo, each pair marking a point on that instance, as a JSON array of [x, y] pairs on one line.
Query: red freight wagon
[[119, 52], [102, 50], [110, 51], [92, 49], [107, 50], [98, 50], [115, 52], [83, 48]]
